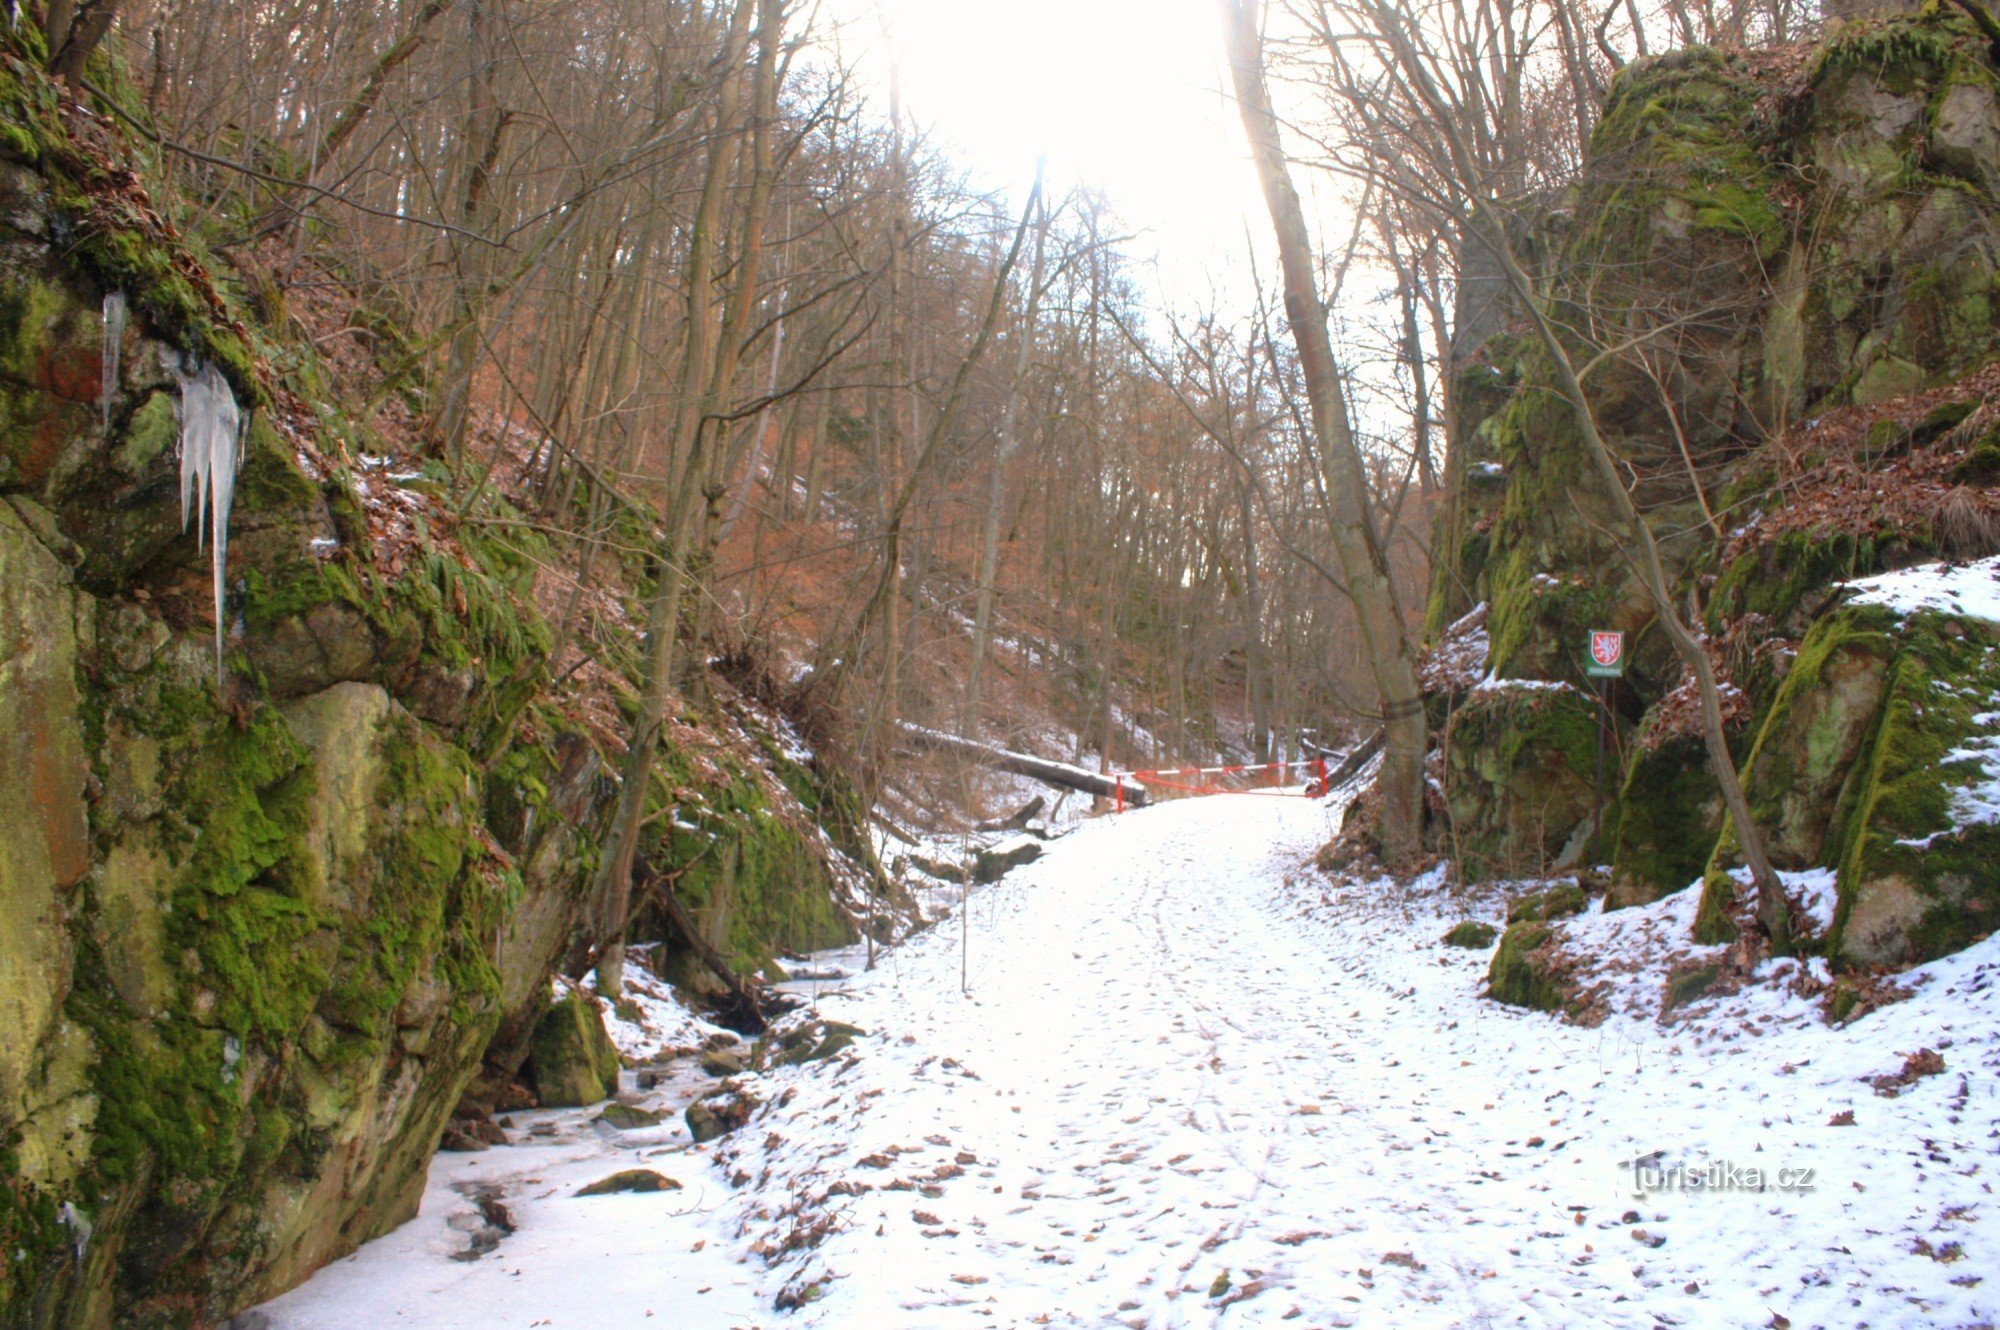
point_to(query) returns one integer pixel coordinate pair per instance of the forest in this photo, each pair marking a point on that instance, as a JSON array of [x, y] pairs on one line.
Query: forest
[[595, 610]]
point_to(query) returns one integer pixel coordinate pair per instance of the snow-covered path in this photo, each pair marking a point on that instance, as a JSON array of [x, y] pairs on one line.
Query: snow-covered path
[[1189, 1085]]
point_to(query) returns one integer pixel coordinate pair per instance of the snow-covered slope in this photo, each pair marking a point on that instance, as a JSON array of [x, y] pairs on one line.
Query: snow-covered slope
[[1187, 1083]]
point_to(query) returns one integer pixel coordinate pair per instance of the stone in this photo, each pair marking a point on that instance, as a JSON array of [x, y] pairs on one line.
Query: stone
[[638, 1180], [1539, 907], [816, 1041], [44, 832], [703, 1124], [571, 1058], [341, 725], [721, 1062], [1471, 935], [1525, 971], [708, 1119], [996, 861], [628, 1117], [1965, 134]]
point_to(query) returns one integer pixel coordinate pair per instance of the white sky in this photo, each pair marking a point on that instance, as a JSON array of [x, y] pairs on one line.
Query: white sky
[[1120, 95]]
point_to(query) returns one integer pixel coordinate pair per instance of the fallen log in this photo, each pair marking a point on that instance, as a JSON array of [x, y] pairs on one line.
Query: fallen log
[[1061, 774], [748, 1006]]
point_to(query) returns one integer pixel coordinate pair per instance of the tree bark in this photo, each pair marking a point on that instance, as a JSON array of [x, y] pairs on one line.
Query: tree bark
[[1362, 558], [681, 498], [75, 30]]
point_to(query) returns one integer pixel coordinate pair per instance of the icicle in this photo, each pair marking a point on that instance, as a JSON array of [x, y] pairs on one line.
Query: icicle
[[114, 340], [211, 449]]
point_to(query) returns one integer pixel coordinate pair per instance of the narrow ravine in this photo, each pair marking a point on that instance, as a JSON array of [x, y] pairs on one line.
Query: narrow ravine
[[1191, 1084]]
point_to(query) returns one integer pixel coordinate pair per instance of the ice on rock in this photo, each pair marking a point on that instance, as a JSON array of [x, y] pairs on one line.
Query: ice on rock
[[114, 338], [211, 450]]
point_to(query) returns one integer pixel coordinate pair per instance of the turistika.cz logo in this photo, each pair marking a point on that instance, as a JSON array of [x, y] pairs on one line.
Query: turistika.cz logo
[[1650, 1173]]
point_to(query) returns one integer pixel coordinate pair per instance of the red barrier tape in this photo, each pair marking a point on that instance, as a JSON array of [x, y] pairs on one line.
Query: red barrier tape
[[1158, 778]]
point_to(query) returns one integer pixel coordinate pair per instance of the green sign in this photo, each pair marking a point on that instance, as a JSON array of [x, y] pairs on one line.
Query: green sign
[[1607, 655]]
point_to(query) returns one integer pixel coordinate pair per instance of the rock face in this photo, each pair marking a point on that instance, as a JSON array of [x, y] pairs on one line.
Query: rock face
[[1825, 239], [260, 936], [571, 1058]]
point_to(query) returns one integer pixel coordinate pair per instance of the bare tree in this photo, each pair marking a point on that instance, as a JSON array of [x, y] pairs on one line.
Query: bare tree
[[1362, 558]]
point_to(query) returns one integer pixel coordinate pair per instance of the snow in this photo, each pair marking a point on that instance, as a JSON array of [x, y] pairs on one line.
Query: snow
[[1493, 683], [1971, 589], [1181, 1055], [1458, 661]]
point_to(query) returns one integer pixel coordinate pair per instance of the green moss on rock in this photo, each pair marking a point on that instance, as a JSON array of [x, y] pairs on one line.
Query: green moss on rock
[[1547, 905], [571, 1059], [1668, 814], [1471, 935], [1521, 773], [1524, 972]]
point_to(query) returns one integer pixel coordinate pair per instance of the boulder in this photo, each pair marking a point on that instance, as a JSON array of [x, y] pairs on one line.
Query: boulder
[[631, 1180], [1526, 971], [996, 861], [1471, 935], [570, 1058], [722, 1062], [628, 1117]]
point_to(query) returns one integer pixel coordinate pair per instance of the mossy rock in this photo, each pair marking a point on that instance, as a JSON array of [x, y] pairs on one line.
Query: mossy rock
[[755, 881], [1472, 935], [1524, 972], [1914, 857], [632, 1180], [1808, 748], [816, 1042], [628, 1117], [1689, 983], [1551, 903], [1521, 779], [1980, 465], [571, 1059], [1668, 813]]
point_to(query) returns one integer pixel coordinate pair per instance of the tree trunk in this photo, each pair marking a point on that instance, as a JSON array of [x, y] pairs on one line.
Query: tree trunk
[[1362, 559], [681, 498], [996, 483]]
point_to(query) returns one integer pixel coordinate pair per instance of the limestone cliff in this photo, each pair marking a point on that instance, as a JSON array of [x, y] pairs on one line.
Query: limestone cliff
[[259, 935], [1785, 270]]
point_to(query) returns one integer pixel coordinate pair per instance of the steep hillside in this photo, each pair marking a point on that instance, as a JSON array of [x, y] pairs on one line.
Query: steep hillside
[[1784, 270], [277, 892]]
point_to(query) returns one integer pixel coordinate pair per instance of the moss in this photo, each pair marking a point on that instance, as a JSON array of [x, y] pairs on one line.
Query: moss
[[1915, 873], [1781, 579], [1522, 973], [1688, 983], [1980, 465], [37, 1251], [1472, 935], [1667, 817], [430, 905], [1551, 903], [1714, 921], [1904, 55], [754, 881], [1520, 778]]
